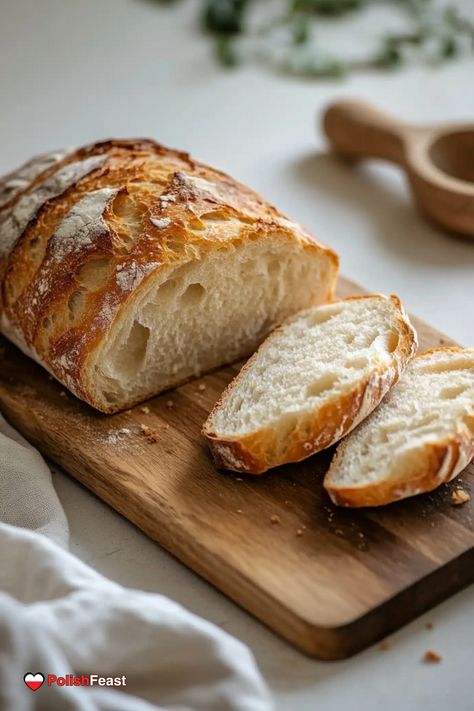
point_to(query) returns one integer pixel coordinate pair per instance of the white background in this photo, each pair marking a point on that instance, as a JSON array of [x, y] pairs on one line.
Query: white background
[[73, 71]]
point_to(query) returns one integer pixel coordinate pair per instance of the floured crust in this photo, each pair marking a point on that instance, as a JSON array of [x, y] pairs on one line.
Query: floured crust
[[14, 184], [435, 464], [135, 209], [261, 450]]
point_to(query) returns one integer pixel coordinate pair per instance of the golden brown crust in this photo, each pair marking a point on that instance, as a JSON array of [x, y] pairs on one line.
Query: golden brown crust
[[262, 450], [441, 462], [155, 207]]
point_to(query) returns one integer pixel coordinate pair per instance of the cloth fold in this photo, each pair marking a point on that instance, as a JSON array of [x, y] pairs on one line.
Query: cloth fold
[[27, 495], [59, 617]]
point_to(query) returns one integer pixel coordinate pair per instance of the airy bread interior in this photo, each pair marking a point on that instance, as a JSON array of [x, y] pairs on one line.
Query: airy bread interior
[[196, 316], [430, 403], [317, 357]]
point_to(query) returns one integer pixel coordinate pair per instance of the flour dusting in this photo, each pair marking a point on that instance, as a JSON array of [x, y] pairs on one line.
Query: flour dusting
[[83, 224], [161, 223], [129, 276], [197, 186], [118, 436], [166, 199], [19, 216], [18, 181]]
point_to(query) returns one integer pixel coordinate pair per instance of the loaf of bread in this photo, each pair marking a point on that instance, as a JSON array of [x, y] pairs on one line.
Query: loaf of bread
[[421, 436], [310, 383], [127, 268]]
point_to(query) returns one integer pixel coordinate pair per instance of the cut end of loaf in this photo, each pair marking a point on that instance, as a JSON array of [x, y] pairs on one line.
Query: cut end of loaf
[[203, 314], [421, 436], [310, 383]]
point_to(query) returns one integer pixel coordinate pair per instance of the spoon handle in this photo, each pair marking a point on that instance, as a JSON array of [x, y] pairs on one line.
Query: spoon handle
[[358, 130]]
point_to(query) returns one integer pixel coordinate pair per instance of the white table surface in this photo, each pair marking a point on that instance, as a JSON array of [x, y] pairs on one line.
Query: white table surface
[[73, 71]]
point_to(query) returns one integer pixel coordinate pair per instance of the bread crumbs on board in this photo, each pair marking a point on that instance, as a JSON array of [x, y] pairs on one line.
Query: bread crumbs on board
[[150, 434], [274, 520], [201, 387], [145, 410], [459, 497], [169, 404], [432, 657]]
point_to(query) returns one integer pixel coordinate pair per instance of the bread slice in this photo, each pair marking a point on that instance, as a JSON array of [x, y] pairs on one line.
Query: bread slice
[[421, 436], [313, 380]]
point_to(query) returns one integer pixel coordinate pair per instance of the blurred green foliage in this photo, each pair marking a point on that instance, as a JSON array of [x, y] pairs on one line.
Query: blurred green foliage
[[436, 34]]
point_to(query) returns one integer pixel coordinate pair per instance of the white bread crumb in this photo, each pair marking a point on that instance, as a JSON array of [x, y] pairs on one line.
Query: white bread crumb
[[459, 497]]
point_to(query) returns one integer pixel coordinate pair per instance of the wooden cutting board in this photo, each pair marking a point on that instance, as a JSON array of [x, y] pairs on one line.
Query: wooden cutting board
[[330, 581]]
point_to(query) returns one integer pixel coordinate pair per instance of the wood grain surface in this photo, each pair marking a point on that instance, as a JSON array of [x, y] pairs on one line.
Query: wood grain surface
[[330, 581]]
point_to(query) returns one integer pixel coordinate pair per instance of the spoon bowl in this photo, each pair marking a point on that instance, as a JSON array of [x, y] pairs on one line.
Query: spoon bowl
[[438, 160], [453, 153]]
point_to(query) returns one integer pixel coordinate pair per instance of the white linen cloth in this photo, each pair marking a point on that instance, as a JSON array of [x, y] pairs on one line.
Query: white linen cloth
[[58, 616]]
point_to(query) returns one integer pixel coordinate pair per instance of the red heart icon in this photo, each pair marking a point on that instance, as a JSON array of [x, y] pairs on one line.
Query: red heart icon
[[33, 681]]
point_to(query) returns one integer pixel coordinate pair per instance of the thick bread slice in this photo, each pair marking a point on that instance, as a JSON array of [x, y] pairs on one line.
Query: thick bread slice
[[127, 268], [313, 380], [421, 436]]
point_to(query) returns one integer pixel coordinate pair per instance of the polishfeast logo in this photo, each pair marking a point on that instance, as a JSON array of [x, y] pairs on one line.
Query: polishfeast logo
[[35, 681]]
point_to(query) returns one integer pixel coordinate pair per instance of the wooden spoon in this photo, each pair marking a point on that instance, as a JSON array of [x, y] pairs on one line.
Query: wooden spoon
[[439, 160]]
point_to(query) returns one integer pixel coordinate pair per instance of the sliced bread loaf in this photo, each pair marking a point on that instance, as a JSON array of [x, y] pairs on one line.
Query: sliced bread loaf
[[421, 436], [128, 268], [310, 383]]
